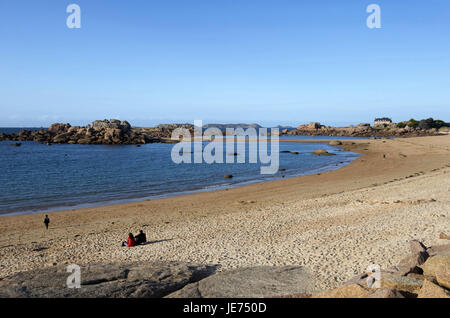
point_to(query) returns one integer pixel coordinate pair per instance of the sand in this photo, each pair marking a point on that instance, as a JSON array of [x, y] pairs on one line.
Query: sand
[[334, 223]]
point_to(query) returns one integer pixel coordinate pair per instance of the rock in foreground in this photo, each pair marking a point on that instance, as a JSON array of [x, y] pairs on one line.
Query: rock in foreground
[[252, 282], [135, 280], [425, 273]]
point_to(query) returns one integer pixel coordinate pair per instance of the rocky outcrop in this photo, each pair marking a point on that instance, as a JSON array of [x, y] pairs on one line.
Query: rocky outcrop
[[431, 290], [361, 130], [252, 282], [134, 280], [58, 128], [406, 284], [440, 262], [386, 293], [105, 132], [442, 275], [111, 124], [424, 273], [310, 126], [429, 277]]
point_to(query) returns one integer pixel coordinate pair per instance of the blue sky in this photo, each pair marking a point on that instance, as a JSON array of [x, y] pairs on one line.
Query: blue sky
[[271, 62]]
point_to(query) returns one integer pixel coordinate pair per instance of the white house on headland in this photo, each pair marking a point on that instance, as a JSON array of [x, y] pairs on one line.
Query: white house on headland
[[382, 121]]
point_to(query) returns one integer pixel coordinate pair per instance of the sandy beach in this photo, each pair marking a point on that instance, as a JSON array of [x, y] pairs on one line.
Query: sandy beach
[[334, 223]]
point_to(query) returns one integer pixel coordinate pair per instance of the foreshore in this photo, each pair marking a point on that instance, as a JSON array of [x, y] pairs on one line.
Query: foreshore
[[334, 223]]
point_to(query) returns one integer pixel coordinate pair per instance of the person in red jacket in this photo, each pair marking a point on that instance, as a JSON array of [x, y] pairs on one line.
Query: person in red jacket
[[131, 241]]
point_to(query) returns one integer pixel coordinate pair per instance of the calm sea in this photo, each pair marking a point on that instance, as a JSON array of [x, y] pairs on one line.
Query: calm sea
[[39, 178]]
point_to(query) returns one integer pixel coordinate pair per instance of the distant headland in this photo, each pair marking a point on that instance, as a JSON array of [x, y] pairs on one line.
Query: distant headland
[[382, 127]]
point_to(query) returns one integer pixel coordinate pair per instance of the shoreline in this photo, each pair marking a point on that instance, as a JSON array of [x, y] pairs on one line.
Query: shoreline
[[333, 223], [81, 205]]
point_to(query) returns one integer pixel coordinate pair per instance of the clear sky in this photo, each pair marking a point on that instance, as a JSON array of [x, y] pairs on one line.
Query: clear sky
[[271, 62]]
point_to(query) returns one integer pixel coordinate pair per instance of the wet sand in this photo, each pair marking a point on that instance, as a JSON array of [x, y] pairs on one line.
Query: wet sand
[[335, 223]]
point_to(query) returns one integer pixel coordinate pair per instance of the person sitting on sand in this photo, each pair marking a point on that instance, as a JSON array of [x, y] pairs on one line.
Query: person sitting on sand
[[141, 238], [131, 241]]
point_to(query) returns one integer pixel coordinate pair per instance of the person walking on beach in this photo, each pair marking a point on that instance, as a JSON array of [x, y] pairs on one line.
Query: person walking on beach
[[46, 221]]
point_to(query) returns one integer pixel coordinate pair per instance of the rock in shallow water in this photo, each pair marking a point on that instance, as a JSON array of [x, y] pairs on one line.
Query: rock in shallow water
[[323, 152]]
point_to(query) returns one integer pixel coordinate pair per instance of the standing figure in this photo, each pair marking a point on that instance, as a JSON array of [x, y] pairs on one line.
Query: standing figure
[[46, 221]]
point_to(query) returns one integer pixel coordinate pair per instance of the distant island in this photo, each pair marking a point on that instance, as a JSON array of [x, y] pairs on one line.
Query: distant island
[[234, 126], [113, 131]]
